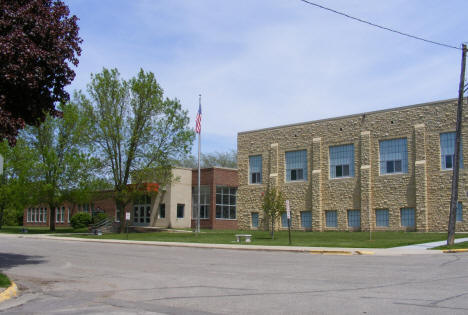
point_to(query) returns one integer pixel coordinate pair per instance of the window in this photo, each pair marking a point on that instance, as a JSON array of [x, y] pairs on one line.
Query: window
[[162, 211], [205, 202], [342, 161], [255, 169], [28, 215], [59, 214], [393, 156], [407, 217], [354, 218], [180, 211], [68, 216], [447, 150], [306, 219], [254, 219], [381, 217], [459, 211], [331, 220], [296, 165], [45, 215], [284, 220], [226, 202]]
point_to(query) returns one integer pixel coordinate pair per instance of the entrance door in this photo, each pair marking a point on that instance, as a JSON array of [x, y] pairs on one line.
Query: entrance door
[[141, 214]]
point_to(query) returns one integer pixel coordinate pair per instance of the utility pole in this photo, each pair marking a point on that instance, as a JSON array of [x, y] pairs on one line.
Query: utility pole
[[456, 157]]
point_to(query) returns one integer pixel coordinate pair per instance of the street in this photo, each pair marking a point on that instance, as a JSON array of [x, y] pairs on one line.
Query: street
[[68, 277]]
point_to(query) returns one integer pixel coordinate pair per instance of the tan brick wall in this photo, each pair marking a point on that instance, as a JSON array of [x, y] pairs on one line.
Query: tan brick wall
[[426, 187]]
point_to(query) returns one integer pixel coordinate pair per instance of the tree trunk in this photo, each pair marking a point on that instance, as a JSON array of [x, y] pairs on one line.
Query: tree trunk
[[52, 217], [121, 208], [272, 227]]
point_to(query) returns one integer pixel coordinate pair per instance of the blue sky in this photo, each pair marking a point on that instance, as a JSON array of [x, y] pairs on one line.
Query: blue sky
[[260, 63]]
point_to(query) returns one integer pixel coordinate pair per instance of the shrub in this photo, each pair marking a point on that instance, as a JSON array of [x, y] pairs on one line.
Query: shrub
[[98, 217], [80, 220]]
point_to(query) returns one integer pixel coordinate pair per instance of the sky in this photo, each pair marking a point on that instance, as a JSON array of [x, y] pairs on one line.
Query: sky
[[265, 63]]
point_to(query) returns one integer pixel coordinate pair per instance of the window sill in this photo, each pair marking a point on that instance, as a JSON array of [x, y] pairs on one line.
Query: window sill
[[296, 182], [343, 177], [226, 219], [393, 174]]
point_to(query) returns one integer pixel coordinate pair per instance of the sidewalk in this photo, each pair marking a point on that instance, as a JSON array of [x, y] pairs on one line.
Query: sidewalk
[[419, 249], [433, 244]]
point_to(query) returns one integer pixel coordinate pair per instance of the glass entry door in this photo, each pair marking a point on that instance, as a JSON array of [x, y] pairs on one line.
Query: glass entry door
[[142, 212]]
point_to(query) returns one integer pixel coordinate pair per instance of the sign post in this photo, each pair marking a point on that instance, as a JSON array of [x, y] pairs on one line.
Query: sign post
[[127, 219], [288, 214]]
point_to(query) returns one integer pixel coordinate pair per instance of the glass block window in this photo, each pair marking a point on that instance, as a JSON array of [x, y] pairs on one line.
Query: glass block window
[[393, 156], [205, 202], [407, 217], [306, 219], [226, 202], [255, 169], [180, 210], [381, 217], [447, 150], [459, 211], [354, 218], [296, 165], [162, 211], [331, 218], [284, 220], [254, 219], [342, 161]]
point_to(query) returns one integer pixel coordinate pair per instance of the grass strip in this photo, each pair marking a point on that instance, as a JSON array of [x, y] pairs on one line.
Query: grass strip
[[4, 281], [299, 238], [463, 245]]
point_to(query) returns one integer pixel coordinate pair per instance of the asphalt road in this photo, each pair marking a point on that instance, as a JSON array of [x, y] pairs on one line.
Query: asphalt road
[[66, 277]]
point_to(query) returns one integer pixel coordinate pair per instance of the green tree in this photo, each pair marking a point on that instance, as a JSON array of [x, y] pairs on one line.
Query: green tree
[[134, 130], [15, 182], [61, 162], [273, 206]]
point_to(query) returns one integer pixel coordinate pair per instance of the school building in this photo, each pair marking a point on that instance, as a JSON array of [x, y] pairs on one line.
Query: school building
[[383, 170], [175, 205]]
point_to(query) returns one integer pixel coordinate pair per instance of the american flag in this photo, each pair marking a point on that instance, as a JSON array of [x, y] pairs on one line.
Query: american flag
[[198, 120]]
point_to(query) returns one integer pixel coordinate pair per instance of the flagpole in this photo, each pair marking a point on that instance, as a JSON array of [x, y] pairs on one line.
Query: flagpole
[[199, 149]]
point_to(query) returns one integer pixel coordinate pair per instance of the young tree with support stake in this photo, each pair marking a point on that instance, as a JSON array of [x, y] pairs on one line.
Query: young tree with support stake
[[133, 129], [273, 206]]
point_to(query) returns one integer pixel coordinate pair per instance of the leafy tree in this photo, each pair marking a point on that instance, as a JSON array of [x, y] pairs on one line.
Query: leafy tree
[[61, 163], [220, 159], [273, 206], [15, 184], [38, 44], [134, 131]]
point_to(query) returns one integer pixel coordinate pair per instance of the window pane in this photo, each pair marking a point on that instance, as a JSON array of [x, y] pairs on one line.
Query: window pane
[[255, 169], [254, 219], [306, 219], [381, 217], [459, 212], [407, 217], [341, 160], [354, 218], [331, 218], [393, 156], [218, 211], [447, 150], [296, 165]]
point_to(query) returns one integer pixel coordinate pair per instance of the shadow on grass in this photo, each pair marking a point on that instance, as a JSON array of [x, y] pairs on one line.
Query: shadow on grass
[[8, 260]]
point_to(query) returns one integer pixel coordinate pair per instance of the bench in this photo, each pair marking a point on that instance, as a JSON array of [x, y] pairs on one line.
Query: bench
[[245, 236]]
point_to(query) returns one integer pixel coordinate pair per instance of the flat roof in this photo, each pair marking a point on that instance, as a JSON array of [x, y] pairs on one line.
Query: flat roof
[[352, 115]]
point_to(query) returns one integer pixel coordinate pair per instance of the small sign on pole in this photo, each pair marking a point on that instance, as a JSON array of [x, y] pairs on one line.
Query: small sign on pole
[[288, 214], [127, 216]]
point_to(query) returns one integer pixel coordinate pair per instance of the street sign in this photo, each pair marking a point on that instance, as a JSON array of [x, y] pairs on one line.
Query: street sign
[[288, 210], [127, 216]]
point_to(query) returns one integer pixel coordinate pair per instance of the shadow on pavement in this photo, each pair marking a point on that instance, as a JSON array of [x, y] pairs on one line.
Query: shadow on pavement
[[12, 260]]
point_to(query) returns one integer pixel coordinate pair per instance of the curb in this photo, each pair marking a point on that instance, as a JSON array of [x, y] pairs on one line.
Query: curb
[[364, 252], [331, 252], [9, 293], [459, 250]]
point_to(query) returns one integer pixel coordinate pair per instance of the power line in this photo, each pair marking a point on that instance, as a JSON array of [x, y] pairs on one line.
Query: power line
[[380, 26]]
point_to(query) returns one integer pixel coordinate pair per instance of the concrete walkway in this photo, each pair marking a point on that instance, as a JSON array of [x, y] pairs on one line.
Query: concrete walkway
[[419, 249], [432, 244]]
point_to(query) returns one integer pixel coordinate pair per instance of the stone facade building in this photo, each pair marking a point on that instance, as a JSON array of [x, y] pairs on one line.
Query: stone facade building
[[382, 170]]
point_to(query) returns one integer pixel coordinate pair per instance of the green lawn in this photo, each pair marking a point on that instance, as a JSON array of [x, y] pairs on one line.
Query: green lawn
[[4, 281], [462, 245], [39, 230], [299, 238]]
